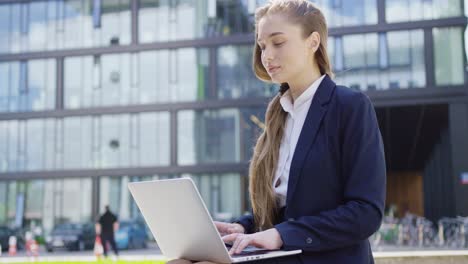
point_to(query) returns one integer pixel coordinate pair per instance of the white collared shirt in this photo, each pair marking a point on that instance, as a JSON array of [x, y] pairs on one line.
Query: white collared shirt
[[297, 113]]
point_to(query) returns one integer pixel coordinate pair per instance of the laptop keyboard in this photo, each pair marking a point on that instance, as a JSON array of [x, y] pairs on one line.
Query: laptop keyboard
[[249, 251]]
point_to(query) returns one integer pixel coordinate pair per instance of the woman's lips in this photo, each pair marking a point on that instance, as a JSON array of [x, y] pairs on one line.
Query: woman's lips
[[273, 69]]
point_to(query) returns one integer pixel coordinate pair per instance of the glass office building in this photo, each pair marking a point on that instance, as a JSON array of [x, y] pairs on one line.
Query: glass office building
[[98, 93]]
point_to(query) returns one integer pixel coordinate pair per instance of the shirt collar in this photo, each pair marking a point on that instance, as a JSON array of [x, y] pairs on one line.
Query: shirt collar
[[307, 95]]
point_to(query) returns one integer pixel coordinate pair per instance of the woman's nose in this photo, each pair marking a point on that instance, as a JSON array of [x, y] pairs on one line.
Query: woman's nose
[[267, 55]]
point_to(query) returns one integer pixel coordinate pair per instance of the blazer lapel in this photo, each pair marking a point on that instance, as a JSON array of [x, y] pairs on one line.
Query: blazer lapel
[[316, 112]]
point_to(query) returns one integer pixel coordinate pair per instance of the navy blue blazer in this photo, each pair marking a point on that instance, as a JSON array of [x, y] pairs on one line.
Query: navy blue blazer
[[336, 189]]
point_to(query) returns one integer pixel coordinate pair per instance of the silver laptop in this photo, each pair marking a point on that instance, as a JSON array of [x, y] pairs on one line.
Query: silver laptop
[[182, 226]]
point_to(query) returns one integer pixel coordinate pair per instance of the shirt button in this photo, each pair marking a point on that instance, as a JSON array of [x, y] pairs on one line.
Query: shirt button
[[309, 240]]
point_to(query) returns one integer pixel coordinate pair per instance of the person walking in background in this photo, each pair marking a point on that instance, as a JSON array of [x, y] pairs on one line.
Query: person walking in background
[[106, 226]]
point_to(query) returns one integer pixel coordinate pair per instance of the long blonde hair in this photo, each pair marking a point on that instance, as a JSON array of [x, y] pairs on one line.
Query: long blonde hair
[[266, 152]]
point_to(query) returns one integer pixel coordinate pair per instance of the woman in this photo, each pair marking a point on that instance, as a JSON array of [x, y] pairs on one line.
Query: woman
[[317, 176]]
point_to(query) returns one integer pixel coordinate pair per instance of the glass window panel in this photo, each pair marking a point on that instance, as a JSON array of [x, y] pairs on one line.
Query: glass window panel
[[111, 129], [78, 80], [110, 188], [115, 79], [5, 28], [382, 61], [163, 20], [13, 145], [252, 124], [167, 20], [49, 144], [208, 136], [14, 86], [397, 10], [154, 139], [76, 193], [41, 84], [221, 193], [4, 86], [3, 202], [153, 81], [235, 75], [406, 10], [449, 62], [35, 155], [339, 13], [77, 135], [37, 25], [115, 22], [15, 28], [447, 8], [48, 206], [3, 146], [192, 76], [354, 51], [11, 203], [33, 203], [77, 23], [171, 76], [399, 48]]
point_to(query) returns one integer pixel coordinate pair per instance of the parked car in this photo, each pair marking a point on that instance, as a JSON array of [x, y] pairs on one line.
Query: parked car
[[6, 233], [131, 234], [71, 236]]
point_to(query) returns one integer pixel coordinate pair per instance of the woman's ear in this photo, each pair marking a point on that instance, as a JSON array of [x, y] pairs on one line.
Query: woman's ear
[[314, 41]]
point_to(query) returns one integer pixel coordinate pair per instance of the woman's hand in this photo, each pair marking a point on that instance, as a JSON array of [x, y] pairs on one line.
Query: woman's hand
[[268, 239], [228, 228]]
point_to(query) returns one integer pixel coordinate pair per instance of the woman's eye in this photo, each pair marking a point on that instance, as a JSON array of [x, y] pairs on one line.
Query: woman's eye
[[278, 44]]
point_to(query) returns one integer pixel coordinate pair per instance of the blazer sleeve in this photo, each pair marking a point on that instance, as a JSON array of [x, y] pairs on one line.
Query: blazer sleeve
[[247, 221], [364, 179]]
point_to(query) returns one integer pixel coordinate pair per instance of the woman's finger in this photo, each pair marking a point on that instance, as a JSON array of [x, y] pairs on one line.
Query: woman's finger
[[230, 237], [243, 244], [239, 238]]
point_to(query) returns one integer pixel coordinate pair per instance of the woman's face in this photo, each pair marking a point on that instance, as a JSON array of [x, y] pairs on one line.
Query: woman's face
[[286, 54]]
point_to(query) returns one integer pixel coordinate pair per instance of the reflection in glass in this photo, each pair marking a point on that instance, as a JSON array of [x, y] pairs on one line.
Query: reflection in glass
[[4, 146], [172, 75], [166, 20], [405, 10], [212, 136], [77, 138], [27, 86], [78, 82], [3, 202], [391, 60], [236, 78], [153, 139], [143, 78], [34, 200], [208, 136], [114, 88], [35, 148], [4, 86], [50, 25], [342, 13], [448, 62], [222, 194]]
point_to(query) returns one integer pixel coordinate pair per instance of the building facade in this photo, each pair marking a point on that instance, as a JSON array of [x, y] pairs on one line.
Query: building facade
[[98, 93]]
